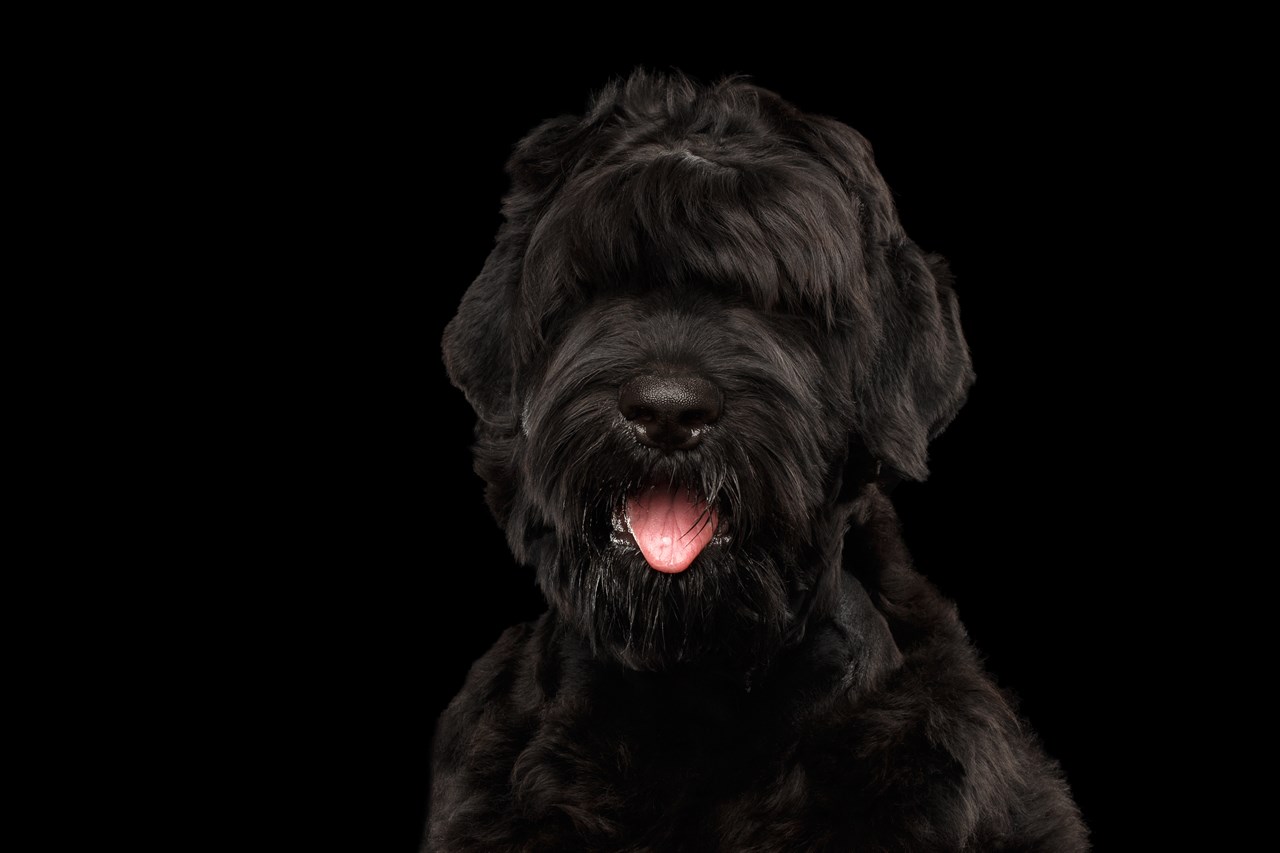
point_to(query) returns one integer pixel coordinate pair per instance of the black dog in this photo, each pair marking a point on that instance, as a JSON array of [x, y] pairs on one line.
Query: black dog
[[698, 349]]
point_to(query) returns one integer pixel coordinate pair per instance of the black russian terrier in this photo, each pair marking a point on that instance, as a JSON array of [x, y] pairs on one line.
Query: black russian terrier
[[698, 350]]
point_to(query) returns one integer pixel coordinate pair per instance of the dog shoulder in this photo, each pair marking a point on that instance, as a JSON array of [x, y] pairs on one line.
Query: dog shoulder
[[943, 747], [508, 680], [478, 737]]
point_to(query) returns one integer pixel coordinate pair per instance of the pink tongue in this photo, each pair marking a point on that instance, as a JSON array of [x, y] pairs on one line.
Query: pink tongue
[[671, 526]]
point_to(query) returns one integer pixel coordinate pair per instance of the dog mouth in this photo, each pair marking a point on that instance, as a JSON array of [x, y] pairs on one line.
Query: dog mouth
[[670, 523]]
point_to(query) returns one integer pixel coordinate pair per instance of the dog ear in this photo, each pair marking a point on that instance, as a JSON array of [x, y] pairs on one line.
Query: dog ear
[[479, 350], [921, 371], [912, 369], [474, 353]]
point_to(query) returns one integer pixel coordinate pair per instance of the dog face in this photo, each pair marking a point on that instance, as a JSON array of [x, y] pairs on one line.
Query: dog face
[[700, 301]]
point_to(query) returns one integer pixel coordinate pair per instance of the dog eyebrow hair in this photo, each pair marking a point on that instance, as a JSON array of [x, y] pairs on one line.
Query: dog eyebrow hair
[[781, 231]]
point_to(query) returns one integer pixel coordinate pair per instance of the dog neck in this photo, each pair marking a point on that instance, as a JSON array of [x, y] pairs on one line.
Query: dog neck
[[836, 634], [846, 649], [839, 628]]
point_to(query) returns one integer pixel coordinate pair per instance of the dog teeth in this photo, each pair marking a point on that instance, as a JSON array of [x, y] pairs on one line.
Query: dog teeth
[[621, 527]]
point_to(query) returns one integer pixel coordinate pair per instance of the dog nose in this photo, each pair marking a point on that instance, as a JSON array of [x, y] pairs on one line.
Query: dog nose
[[669, 412]]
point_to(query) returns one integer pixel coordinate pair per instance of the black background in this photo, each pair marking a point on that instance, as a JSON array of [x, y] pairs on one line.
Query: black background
[[1018, 169]]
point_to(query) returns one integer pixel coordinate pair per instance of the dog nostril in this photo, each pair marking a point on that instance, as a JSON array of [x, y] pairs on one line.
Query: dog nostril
[[669, 412], [640, 414], [697, 418]]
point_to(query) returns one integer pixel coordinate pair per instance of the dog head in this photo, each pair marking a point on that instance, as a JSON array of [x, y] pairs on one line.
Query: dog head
[[700, 301]]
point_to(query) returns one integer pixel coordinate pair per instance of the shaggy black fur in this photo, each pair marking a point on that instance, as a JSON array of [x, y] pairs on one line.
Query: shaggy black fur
[[791, 690]]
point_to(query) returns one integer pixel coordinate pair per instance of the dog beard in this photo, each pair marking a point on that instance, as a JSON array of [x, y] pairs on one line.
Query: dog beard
[[729, 604]]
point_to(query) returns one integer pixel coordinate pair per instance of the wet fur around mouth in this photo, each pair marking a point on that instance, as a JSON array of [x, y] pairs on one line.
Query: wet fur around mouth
[[799, 686]]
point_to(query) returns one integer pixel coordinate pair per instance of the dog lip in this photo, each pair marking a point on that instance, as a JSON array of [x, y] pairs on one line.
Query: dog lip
[[621, 534]]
